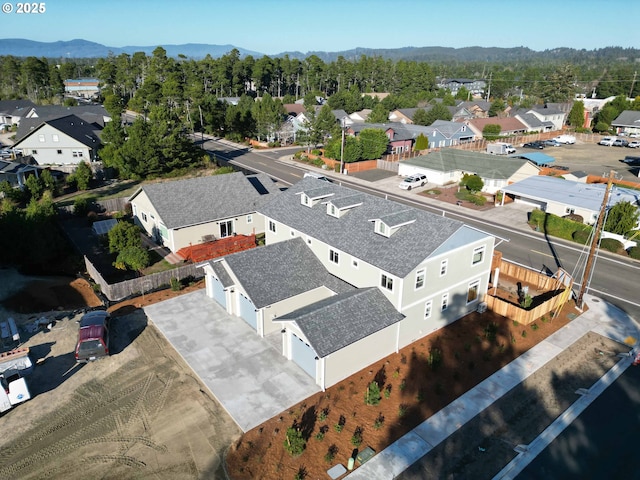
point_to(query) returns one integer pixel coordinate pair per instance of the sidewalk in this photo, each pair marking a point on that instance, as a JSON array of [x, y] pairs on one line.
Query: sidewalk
[[601, 318]]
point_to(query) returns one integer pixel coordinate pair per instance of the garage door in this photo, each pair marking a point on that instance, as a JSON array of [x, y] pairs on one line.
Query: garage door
[[248, 312], [529, 201], [303, 355], [218, 291]]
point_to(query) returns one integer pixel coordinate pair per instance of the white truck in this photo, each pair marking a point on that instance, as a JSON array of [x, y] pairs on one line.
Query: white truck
[[500, 148], [14, 365]]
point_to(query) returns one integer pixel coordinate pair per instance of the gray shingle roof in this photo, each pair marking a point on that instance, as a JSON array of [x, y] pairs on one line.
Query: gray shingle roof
[[628, 118], [222, 274], [341, 320], [482, 164], [71, 125], [193, 201], [281, 270], [354, 233]]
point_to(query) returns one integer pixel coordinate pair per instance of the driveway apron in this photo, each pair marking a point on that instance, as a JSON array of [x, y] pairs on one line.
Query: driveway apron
[[245, 373]]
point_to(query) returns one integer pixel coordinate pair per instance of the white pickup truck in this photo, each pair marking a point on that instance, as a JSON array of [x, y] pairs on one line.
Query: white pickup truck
[[14, 365]]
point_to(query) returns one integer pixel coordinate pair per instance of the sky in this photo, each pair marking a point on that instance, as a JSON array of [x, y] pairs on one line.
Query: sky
[[274, 26]]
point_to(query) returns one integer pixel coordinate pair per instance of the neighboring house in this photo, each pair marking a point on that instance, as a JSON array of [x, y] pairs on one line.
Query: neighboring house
[[181, 213], [508, 125], [533, 122], [478, 108], [95, 114], [551, 114], [348, 278], [16, 173], [402, 137], [82, 87], [448, 166], [62, 141], [403, 115], [576, 176], [12, 111], [476, 87], [361, 116], [628, 123], [563, 197]]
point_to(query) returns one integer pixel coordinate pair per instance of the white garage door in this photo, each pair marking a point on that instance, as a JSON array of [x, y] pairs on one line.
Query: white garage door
[[303, 355], [248, 312], [218, 291]]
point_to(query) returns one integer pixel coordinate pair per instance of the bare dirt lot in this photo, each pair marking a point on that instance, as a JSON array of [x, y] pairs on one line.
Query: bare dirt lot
[[140, 413]]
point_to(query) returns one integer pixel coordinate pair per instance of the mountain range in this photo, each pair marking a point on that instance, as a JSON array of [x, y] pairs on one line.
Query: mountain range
[[85, 49]]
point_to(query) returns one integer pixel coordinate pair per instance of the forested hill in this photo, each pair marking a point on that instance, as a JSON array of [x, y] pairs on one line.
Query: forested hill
[[87, 49]]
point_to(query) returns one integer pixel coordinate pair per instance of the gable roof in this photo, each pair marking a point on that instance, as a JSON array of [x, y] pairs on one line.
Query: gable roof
[[71, 125], [628, 118], [182, 203], [281, 270], [341, 320], [353, 233], [409, 131], [15, 107], [507, 124], [482, 164]]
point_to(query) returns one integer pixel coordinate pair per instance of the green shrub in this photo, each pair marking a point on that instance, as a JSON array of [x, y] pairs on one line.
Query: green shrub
[[581, 236], [294, 442], [81, 206], [434, 359], [176, 285], [478, 200], [372, 395], [634, 252], [611, 245]]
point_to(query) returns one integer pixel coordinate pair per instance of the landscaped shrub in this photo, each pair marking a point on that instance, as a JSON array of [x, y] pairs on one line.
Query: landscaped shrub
[[294, 442], [81, 206], [581, 236], [478, 200], [611, 245], [634, 252], [556, 226], [372, 395]]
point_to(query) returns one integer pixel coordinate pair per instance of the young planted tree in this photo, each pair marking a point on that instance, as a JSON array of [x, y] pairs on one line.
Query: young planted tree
[[473, 183], [622, 218], [422, 143], [576, 115]]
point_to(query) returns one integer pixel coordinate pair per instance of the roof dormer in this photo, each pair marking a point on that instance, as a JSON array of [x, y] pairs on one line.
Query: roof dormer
[[338, 206], [311, 197], [387, 225]]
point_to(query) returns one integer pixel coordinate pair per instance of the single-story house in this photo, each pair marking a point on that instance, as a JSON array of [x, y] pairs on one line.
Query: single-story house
[[181, 213], [508, 125], [628, 123], [347, 278], [17, 173], [538, 158], [563, 197], [448, 166], [82, 87], [12, 111]]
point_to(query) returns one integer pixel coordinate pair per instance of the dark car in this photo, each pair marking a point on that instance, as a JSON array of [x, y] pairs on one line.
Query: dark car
[[93, 336], [631, 161], [537, 144], [552, 143]]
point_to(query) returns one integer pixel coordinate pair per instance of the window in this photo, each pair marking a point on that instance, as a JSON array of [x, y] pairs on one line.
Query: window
[[77, 153], [144, 216], [305, 199], [355, 263], [332, 210], [34, 152], [334, 257], [59, 152], [382, 228], [569, 210], [472, 292], [444, 303], [272, 226], [427, 309], [443, 267], [249, 218], [55, 137], [41, 138], [308, 240], [386, 282], [478, 255], [420, 274], [226, 228]]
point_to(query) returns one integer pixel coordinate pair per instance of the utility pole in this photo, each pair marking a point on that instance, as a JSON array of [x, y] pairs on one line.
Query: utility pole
[[594, 242], [489, 89], [342, 146], [633, 83]]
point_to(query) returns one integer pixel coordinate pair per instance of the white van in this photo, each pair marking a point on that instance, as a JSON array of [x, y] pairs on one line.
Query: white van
[[317, 176]]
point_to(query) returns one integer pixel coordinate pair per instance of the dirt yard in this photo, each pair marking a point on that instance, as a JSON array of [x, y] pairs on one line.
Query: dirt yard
[[140, 413]]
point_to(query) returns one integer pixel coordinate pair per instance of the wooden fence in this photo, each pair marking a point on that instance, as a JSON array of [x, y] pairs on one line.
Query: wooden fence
[[136, 286], [562, 283], [108, 205]]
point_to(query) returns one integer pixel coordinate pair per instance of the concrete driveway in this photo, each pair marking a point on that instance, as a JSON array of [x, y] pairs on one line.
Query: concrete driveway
[[246, 374]]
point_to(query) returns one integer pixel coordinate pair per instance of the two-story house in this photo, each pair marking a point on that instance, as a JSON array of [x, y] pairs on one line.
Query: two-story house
[[347, 278]]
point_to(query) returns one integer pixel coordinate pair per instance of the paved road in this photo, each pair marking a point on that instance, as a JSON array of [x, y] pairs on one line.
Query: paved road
[[602, 443]]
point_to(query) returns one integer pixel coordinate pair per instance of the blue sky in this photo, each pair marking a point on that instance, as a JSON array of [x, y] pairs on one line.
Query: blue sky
[[274, 26]]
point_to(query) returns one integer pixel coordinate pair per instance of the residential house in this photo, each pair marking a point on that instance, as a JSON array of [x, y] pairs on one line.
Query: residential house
[[67, 140], [533, 122], [627, 123], [549, 113], [403, 115], [17, 173], [347, 278], [402, 137], [475, 87], [361, 116], [181, 213], [477, 108], [12, 111], [82, 87], [95, 114], [563, 197], [508, 125], [448, 166]]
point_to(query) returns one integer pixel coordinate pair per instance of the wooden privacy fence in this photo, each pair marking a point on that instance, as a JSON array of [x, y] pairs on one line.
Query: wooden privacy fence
[[141, 285], [562, 283]]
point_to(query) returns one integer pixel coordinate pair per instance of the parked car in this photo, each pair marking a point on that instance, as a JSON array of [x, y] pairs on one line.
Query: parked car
[[551, 143], [634, 144], [619, 142], [607, 141], [415, 180], [93, 336], [561, 167], [537, 144], [631, 161], [566, 139]]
